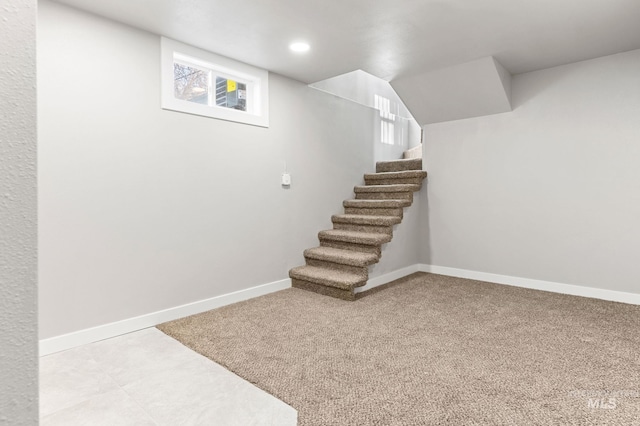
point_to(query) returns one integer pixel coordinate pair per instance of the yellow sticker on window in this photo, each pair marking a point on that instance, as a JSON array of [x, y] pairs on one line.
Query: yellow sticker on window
[[231, 86]]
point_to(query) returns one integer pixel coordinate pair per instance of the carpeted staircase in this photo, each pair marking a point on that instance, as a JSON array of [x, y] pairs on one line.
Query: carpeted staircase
[[341, 263]]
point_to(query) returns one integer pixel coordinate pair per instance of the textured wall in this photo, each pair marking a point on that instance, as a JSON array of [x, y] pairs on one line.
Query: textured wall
[[550, 191], [18, 232]]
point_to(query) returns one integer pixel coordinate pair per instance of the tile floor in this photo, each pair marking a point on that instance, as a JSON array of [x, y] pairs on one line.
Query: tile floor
[[148, 378]]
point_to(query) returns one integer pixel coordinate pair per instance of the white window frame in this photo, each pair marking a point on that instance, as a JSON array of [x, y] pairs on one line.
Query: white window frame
[[387, 120], [256, 79]]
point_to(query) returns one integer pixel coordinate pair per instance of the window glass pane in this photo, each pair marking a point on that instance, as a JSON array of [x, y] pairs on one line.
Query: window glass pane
[[387, 132], [202, 83], [231, 94], [191, 84]]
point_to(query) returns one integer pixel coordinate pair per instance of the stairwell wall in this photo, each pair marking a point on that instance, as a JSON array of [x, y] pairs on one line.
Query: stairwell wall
[[550, 191], [143, 209]]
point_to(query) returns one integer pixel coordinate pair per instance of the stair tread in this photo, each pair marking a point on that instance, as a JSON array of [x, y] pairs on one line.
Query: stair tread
[[341, 256], [402, 187], [413, 153], [404, 174], [360, 219], [330, 277], [399, 160], [397, 165], [376, 204], [366, 238]]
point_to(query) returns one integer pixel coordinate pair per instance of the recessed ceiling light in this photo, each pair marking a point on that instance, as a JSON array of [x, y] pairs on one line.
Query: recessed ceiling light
[[299, 46]]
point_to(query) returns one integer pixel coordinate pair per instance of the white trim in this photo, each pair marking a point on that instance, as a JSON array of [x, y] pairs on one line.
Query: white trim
[[106, 331], [575, 290], [258, 78], [387, 278]]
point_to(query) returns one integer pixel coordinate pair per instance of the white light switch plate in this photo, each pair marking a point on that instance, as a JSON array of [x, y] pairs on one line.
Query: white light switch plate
[[286, 179]]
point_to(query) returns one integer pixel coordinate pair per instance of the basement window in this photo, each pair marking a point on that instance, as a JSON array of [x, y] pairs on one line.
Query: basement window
[[198, 82]]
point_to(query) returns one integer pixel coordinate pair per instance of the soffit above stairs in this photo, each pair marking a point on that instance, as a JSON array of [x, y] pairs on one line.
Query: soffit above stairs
[[389, 39], [473, 89]]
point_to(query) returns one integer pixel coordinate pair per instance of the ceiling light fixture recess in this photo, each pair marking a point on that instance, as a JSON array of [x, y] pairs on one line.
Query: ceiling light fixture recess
[[299, 47]]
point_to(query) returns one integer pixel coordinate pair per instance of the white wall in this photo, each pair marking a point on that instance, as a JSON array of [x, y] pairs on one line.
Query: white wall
[[18, 215], [361, 87], [404, 249], [472, 89], [550, 191], [143, 209]]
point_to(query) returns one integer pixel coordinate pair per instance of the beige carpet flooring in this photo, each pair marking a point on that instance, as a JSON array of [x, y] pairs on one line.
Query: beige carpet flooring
[[432, 350]]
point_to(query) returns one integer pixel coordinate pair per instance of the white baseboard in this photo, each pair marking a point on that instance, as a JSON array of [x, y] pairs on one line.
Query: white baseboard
[[576, 290], [387, 278], [106, 331]]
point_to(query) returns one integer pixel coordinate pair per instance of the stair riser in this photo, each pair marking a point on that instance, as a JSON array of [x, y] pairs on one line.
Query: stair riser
[[398, 166], [324, 290], [369, 221], [358, 270], [415, 152], [351, 246], [384, 196], [378, 204], [411, 181], [374, 212], [364, 228], [359, 238]]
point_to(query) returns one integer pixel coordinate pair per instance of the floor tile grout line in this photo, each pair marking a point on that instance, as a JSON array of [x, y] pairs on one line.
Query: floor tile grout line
[[108, 370], [121, 387]]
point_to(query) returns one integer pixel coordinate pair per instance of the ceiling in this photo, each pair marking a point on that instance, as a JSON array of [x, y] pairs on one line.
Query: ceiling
[[387, 38]]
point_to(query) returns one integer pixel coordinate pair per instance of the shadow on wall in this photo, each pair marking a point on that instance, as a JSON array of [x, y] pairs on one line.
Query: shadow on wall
[[424, 233], [544, 81], [395, 129]]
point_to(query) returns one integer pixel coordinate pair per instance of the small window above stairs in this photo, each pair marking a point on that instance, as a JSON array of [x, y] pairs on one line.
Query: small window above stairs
[[341, 262]]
